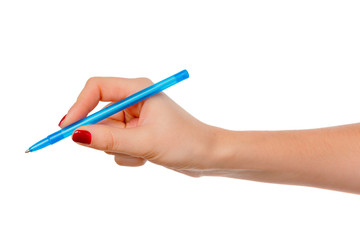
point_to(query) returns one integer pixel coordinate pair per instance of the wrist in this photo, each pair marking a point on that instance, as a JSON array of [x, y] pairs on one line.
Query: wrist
[[267, 156], [253, 155], [240, 151], [225, 149]]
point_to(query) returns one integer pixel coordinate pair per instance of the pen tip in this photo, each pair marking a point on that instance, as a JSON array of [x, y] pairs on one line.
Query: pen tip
[[27, 151]]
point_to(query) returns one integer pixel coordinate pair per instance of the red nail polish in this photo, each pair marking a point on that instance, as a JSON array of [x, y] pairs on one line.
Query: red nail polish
[[82, 136], [62, 119]]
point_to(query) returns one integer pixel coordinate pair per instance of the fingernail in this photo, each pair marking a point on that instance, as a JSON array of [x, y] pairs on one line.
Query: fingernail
[[82, 136], [62, 120]]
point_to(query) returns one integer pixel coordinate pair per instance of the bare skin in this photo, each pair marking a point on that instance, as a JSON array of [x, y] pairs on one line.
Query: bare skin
[[160, 131]]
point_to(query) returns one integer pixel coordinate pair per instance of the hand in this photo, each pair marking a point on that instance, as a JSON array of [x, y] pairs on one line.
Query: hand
[[160, 131], [156, 129]]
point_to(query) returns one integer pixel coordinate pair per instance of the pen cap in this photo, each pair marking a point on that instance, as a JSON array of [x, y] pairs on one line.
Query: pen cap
[[181, 75]]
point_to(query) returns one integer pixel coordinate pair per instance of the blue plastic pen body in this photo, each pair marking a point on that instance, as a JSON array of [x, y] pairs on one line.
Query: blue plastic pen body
[[111, 110]]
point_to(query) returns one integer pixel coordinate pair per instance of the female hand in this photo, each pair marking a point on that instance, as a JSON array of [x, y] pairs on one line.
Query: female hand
[[160, 131], [156, 129]]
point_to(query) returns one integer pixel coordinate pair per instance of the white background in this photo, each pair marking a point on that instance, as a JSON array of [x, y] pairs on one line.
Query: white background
[[254, 65]]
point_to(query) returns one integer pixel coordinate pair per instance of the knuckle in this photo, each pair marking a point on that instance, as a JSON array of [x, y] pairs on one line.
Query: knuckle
[[146, 81], [92, 80], [111, 144]]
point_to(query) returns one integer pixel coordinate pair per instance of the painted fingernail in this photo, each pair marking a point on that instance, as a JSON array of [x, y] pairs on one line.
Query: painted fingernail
[[82, 136], [62, 120]]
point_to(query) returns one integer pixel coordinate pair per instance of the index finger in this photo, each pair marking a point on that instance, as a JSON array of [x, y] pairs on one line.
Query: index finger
[[102, 89]]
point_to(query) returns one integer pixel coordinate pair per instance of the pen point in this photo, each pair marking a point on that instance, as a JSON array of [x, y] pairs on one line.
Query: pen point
[[27, 151]]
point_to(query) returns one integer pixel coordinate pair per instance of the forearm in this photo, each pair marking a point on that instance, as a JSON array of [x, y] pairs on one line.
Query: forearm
[[326, 158]]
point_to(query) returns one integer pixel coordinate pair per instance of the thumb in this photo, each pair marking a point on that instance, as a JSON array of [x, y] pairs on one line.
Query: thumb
[[132, 141]]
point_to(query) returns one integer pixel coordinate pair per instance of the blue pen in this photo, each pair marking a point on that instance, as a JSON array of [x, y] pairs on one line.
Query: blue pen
[[110, 110]]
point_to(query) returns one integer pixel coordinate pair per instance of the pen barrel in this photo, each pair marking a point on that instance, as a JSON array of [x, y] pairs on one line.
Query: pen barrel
[[121, 105], [111, 110], [55, 137]]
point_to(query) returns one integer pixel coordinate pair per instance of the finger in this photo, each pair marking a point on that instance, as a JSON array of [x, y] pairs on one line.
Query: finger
[[132, 141], [110, 153], [119, 116], [123, 116], [129, 161], [104, 89], [121, 119], [126, 160], [112, 123]]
